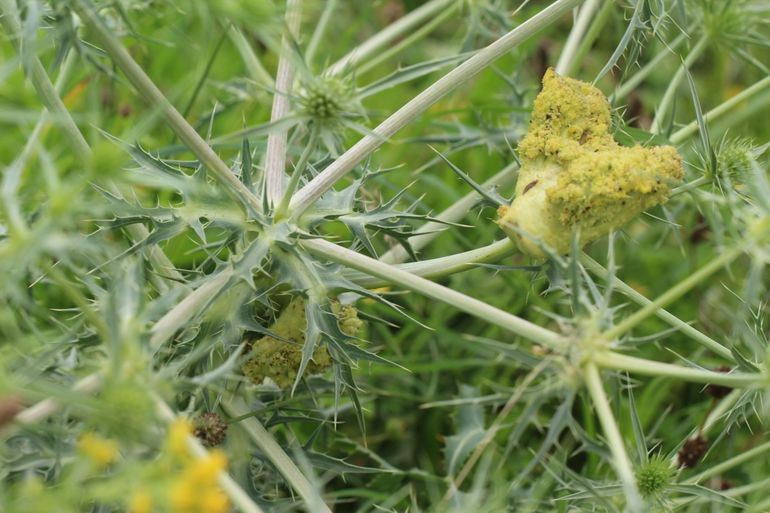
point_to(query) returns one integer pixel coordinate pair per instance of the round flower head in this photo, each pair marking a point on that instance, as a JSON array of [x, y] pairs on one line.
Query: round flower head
[[574, 174]]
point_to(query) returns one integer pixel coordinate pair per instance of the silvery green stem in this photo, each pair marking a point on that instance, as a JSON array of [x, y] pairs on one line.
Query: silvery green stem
[[669, 318], [727, 106], [674, 292], [620, 459], [419, 104], [435, 291], [390, 33], [728, 464], [442, 266], [253, 65], [668, 96], [432, 229], [229, 486], [45, 408], [277, 456], [575, 36], [186, 133], [634, 365], [276, 153]]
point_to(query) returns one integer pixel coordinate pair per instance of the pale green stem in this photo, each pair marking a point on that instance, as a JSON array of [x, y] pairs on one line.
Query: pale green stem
[[47, 407], [276, 153], [419, 104], [320, 30], [442, 266], [409, 41], [598, 23], [432, 229], [575, 36], [728, 464], [668, 96], [674, 292], [229, 486], [277, 456], [634, 365], [186, 133], [688, 130], [654, 65], [703, 180], [385, 37], [669, 318], [435, 291], [283, 208], [620, 459], [251, 61]]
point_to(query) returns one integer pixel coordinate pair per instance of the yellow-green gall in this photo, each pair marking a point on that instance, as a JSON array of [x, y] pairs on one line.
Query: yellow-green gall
[[573, 172], [279, 360]]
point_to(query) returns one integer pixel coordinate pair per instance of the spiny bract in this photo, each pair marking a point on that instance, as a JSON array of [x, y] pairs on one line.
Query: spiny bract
[[573, 173]]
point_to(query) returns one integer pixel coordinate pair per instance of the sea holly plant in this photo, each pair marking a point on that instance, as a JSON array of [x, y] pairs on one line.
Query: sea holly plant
[[327, 256]]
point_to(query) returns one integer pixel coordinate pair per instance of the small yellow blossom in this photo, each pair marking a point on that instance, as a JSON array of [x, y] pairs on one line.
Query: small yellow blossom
[[140, 502], [178, 433], [99, 451], [208, 468], [213, 500], [197, 490]]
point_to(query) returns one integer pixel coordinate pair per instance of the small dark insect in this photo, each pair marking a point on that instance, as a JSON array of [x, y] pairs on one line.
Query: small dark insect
[[529, 186]]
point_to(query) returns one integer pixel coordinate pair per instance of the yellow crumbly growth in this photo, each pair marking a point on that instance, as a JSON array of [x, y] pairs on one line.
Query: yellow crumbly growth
[[573, 173], [278, 360]]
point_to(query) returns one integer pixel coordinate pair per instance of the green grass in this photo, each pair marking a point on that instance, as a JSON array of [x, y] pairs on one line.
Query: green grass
[[147, 240]]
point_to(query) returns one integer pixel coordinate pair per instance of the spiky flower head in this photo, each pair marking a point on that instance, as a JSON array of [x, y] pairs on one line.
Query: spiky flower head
[[328, 100], [653, 476], [210, 429], [574, 174]]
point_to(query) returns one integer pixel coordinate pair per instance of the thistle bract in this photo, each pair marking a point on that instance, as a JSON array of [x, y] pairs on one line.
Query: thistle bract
[[574, 174]]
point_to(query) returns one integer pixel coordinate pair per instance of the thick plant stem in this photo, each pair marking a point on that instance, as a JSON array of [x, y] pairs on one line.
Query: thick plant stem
[[275, 155], [277, 456], [437, 292], [47, 407], [432, 229], [575, 36], [442, 266], [237, 495], [634, 365], [386, 36], [419, 104], [186, 133], [674, 292], [669, 318], [620, 459], [668, 96], [727, 106], [598, 23]]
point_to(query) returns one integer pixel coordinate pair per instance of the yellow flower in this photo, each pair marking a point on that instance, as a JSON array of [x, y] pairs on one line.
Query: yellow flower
[[213, 500], [140, 502], [208, 468], [183, 496], [99, 451], [178, 433]]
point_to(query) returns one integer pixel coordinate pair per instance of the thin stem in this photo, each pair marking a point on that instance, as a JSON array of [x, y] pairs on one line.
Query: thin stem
[[277, 456], [275, 155], [575, 36], [437, 292], [727, 106], [598, 23], [432, 229], [443, 266], [634, 365], [233, 490], [703, 180], [669, 318], [728, 464], [419, 104], [620, 459], [186, 133], [668, 96], [251, 61], [48, 407], [674, 292], [283, 207], [409, 41], [390, 33], [320, 30], [654, 64]]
